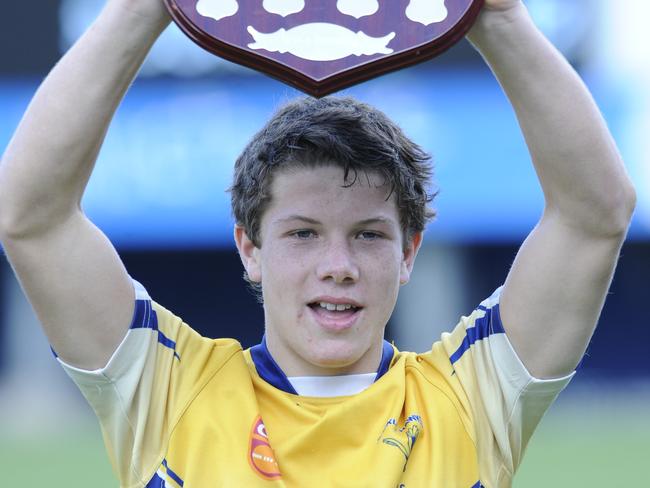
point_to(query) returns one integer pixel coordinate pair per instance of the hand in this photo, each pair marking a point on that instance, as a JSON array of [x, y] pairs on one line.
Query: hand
[[495, 13], [501, 5], [147, 10]]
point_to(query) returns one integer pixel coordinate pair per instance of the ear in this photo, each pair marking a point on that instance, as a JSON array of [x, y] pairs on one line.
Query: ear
[[408, 259], [249, 254]]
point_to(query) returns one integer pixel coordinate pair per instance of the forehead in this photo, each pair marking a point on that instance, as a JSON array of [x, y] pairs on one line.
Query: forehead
[[322, 192]]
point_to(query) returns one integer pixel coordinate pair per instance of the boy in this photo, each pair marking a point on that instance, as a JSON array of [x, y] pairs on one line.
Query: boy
[[330, 201]]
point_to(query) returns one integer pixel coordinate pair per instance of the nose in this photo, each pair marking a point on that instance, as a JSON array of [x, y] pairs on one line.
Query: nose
[[337, 263]]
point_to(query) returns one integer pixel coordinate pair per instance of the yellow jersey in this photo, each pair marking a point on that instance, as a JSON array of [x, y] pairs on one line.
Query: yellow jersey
[[181, 410]]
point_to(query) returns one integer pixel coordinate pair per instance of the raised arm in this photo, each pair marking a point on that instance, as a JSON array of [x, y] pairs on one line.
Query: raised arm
[[556, 288], [70, 272]]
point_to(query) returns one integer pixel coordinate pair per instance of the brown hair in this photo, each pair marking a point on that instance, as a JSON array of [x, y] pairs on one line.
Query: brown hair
[[332, 130]]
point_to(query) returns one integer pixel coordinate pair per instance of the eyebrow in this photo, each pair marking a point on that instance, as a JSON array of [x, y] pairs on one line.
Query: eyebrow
[[301, 218], [375, 220], [308, 220]]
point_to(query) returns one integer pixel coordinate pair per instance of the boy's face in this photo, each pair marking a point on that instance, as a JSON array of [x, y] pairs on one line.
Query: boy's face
[[331, 263]]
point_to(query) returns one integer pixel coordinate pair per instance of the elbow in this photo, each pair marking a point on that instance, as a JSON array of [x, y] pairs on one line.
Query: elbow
[[25, 213], [627, 204], [24, 220], [12, 222], [616, 214], [630, 200], [8, 218], [605, 214], [10, 225]]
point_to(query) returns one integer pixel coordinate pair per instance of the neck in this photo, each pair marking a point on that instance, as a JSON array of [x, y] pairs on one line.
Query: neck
[[330, 360]]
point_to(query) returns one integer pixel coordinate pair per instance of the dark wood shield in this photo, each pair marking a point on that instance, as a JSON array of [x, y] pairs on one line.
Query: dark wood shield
[[321, 46]]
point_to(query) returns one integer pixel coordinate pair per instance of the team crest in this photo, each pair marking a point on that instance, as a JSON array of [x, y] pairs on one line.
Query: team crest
[[403, 438], [320, 46], [260, 454]]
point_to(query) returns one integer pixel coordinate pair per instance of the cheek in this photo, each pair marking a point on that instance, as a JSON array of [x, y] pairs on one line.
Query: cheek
[[384, 272], [386, 260], [282, 267]]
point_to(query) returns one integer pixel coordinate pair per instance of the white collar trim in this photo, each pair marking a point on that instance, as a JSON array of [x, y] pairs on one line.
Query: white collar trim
[[332, 386]]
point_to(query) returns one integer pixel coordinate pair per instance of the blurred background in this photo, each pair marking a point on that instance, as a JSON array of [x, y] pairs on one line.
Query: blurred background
[[159, 194]]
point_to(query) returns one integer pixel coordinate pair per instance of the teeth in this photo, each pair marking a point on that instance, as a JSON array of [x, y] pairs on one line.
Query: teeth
[[335, 307]]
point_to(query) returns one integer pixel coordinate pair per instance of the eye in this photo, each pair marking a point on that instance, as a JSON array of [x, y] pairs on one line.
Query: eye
[[303, 234], [369, 235]]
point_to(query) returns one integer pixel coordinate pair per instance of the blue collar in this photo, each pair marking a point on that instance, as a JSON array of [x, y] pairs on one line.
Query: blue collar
[[271, 372]]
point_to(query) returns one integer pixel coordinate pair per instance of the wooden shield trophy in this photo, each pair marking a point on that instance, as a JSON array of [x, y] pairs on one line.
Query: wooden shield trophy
[[321, 46]]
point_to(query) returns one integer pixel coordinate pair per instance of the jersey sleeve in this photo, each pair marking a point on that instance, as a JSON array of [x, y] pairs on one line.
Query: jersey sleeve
[[155, 372], [505, 401]]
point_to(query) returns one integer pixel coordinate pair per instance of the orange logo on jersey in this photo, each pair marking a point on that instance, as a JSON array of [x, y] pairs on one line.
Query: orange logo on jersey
[[260, 455]]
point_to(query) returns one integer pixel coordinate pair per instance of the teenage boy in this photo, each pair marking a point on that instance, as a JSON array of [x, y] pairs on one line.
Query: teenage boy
[[330, 201]]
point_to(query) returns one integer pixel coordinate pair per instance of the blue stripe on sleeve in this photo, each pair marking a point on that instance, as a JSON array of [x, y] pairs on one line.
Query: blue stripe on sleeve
[[144, 317], [141, 315], [165, 341], [173, 475], [159, 482], [156, 482], [484, 327]]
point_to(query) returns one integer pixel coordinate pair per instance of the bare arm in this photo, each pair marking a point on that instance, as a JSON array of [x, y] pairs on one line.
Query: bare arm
[[556, 288], [70, 272]]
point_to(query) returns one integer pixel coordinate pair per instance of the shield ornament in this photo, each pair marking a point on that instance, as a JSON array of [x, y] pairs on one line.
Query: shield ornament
[[321, 46]]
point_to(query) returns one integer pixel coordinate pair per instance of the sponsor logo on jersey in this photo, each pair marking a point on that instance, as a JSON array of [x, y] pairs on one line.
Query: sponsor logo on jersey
[[402, 438], [260, 454]]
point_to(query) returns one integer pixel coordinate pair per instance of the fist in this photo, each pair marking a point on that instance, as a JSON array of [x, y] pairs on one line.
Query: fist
[[149, 10], [501, 5]]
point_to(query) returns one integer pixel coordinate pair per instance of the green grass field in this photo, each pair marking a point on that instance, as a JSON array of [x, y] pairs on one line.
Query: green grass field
[[594, 443], [581, 446]]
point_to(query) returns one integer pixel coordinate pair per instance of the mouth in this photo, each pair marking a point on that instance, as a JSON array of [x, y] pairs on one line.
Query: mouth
[[335, 316]]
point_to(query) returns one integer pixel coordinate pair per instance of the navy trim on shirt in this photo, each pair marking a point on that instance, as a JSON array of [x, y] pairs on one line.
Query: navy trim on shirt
[[271, 372], [387, 354]]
